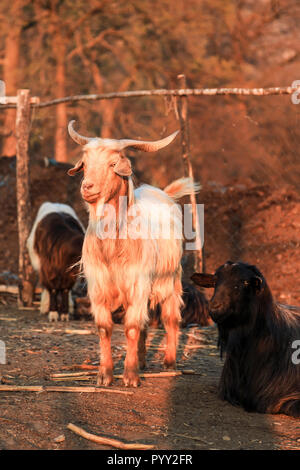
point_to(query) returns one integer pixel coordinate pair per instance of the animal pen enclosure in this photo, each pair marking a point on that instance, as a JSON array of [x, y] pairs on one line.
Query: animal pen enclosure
[[49, 380], [24, 104]]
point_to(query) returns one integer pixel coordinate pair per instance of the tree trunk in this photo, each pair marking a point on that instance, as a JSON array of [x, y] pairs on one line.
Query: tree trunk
[[60, 149], [10, 74]]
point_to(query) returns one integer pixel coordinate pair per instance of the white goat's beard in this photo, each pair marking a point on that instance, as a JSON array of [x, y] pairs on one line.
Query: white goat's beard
[[100, 207]]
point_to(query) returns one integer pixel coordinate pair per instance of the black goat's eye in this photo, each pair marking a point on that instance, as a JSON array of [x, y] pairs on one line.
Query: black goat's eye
[[236, 287]]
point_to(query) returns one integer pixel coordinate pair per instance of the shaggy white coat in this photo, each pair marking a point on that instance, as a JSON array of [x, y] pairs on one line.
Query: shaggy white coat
[[132, 272]]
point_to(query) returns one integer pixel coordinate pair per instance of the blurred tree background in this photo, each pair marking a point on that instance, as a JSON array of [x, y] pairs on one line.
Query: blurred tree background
[[59, 48]]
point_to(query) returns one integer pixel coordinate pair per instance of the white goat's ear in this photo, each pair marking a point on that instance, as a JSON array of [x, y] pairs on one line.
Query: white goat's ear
[[123, 167], [78, 167]]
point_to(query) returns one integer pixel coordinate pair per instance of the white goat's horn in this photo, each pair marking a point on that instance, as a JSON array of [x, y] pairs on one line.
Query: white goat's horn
[[79, 139], [119, 145], [147, 146]]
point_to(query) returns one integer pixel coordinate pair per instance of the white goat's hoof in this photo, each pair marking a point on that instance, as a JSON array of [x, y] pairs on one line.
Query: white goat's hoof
[[131, 379], [64, 317], [105, 377], [170, 364], [53, 316]]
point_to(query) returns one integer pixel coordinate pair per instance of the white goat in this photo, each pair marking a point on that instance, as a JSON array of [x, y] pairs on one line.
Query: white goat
[[135, 271]]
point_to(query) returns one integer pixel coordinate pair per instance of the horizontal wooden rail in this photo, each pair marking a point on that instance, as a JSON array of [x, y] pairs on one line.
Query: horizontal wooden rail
[[288, 90]]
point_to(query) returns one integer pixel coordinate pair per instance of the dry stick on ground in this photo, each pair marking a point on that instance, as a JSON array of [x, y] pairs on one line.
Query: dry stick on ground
[[14, 290], [41, 388], [81, 366], [108, 441], [73, 375], [78, 332], [9, 289]]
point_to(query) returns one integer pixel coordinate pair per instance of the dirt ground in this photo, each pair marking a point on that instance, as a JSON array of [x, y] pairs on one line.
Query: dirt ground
[[256, 224], [182, 412]]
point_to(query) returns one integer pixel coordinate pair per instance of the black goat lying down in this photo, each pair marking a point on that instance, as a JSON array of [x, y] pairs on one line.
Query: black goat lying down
[[261, 340], [54, 247]]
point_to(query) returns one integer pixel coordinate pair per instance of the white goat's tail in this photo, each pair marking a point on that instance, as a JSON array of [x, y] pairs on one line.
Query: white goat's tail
[[182, 187]]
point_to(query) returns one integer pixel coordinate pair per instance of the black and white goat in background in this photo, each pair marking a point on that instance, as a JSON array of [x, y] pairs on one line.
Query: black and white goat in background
[[54, 246], [261, 339]]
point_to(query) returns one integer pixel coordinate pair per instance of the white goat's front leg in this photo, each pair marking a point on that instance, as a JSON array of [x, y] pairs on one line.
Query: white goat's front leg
[[104, 323], [131, 376], [170, 315], [135, 320]]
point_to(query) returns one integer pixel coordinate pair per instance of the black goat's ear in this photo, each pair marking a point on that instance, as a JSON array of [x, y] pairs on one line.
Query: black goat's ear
[[228, 263], [204, 280], [257, 283]]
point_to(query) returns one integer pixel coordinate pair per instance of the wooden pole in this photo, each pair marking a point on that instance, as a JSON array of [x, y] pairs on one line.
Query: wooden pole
[[26, 275], [184, 125], [183, 117]]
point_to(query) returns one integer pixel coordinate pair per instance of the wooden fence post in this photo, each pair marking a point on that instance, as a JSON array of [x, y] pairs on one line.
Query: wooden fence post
[[198, 255], [26, 274]]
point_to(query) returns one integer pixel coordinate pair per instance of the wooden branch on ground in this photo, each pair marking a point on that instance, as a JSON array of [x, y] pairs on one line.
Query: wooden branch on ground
[[74, 379], [9, 289], [288, 90], [76, 375], [41, 388], [14, 290], [81, 366], [108, 441], [78, 332], [73, 374]]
